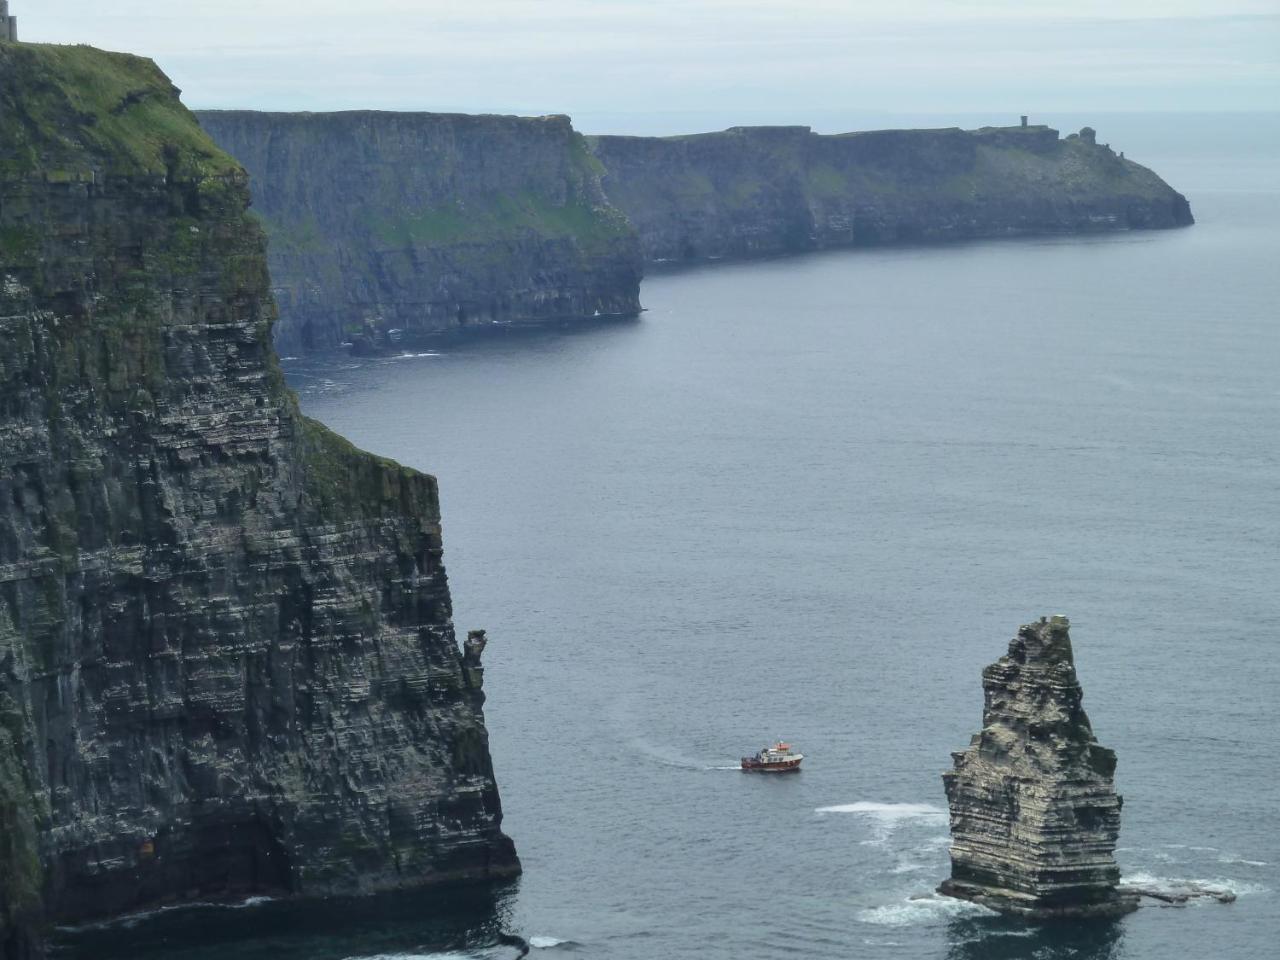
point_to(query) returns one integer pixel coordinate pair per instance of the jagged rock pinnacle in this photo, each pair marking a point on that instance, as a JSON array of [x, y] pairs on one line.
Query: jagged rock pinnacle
[[1034, 812]]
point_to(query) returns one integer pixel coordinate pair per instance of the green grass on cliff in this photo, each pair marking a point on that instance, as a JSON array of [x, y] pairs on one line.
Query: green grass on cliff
[[59, 103]]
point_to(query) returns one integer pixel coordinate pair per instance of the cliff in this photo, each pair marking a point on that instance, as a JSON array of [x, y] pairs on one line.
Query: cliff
[[427, 223], [759, 191], [227, 661], [1034, 812]]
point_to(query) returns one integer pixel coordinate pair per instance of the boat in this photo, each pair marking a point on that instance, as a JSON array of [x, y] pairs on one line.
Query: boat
[[779, 758]]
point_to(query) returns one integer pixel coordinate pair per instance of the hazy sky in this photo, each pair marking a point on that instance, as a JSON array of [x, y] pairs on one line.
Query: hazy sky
[[735, 60]]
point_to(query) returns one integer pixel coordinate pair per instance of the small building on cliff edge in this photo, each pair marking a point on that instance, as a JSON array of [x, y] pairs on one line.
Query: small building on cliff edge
[[8, 24]]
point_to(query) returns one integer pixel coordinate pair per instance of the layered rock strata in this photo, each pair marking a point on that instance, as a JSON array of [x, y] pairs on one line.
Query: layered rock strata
[[1034, 812], [762, 191], [227, 660], [389, 226]]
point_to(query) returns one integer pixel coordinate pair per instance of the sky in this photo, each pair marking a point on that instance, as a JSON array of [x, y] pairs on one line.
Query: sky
[[670, 65]]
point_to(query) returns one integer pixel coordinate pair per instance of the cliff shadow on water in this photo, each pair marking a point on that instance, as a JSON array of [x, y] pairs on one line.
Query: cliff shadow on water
[[228, 665], [468, 918]]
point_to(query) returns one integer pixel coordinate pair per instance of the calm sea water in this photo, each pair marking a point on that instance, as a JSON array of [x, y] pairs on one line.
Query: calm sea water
[[811, 498]]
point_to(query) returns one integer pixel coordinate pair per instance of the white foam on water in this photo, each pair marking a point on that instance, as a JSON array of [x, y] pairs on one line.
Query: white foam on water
[[130, 920], [250, 902], [922, 910], [891, 812], [548, 943], [736, 766], [1241, 888], [1242, 860], [906, 866], [887, 817]]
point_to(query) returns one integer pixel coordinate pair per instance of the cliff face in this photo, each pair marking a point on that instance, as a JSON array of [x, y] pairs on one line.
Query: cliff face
[[1034, 812], [426, 223], [758, 191], [227, 662]]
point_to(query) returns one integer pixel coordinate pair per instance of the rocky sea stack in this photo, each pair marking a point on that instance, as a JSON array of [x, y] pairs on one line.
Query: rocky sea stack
[[227, 658], [1034, 812]]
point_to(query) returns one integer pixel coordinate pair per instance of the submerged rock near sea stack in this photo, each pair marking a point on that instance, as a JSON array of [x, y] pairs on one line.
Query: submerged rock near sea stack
[[1034, 812], [227, 658]]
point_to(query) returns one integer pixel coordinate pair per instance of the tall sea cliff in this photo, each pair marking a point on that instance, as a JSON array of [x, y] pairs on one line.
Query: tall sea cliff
[[385, 226], [227, 659], [760, 191], [429, 223]]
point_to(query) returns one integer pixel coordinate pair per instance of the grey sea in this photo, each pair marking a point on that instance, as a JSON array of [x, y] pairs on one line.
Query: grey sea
[[811, 498]]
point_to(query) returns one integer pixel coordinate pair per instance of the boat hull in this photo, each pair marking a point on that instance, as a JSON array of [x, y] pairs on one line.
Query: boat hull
[[751, 765]]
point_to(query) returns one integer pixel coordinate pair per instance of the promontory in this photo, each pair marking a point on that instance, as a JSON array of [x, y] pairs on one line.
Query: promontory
[[386, 227], [227, 659]]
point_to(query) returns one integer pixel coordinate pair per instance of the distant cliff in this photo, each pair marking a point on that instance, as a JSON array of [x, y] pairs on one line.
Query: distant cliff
[[759, 191], [427, 223], [227, 660]]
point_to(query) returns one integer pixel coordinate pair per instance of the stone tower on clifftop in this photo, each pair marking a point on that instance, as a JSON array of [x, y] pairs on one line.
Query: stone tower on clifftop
[[8, 24]]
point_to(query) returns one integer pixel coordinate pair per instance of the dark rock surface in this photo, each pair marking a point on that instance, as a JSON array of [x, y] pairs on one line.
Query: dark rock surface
[[1034, 812], [425, 223], [227, 659], [761, 191]]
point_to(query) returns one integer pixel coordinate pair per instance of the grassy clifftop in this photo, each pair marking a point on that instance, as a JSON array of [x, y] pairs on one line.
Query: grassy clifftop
[[61, 106], [760, 191]]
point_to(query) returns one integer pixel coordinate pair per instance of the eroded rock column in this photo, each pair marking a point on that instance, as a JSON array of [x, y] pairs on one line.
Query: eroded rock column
[[1034, 812]]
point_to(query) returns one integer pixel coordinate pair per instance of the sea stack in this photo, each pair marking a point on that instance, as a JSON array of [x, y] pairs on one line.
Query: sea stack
[[1034, 812]]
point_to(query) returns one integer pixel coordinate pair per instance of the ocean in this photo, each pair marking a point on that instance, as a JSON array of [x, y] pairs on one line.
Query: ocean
[[811, 498]]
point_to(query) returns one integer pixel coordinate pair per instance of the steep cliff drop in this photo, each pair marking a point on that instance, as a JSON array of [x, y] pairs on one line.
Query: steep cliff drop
[[762, 191], [227, 660], [1034, 812], [387, 226]]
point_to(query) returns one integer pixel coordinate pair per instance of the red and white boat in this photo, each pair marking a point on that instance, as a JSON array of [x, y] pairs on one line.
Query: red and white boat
[[779, 758]]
